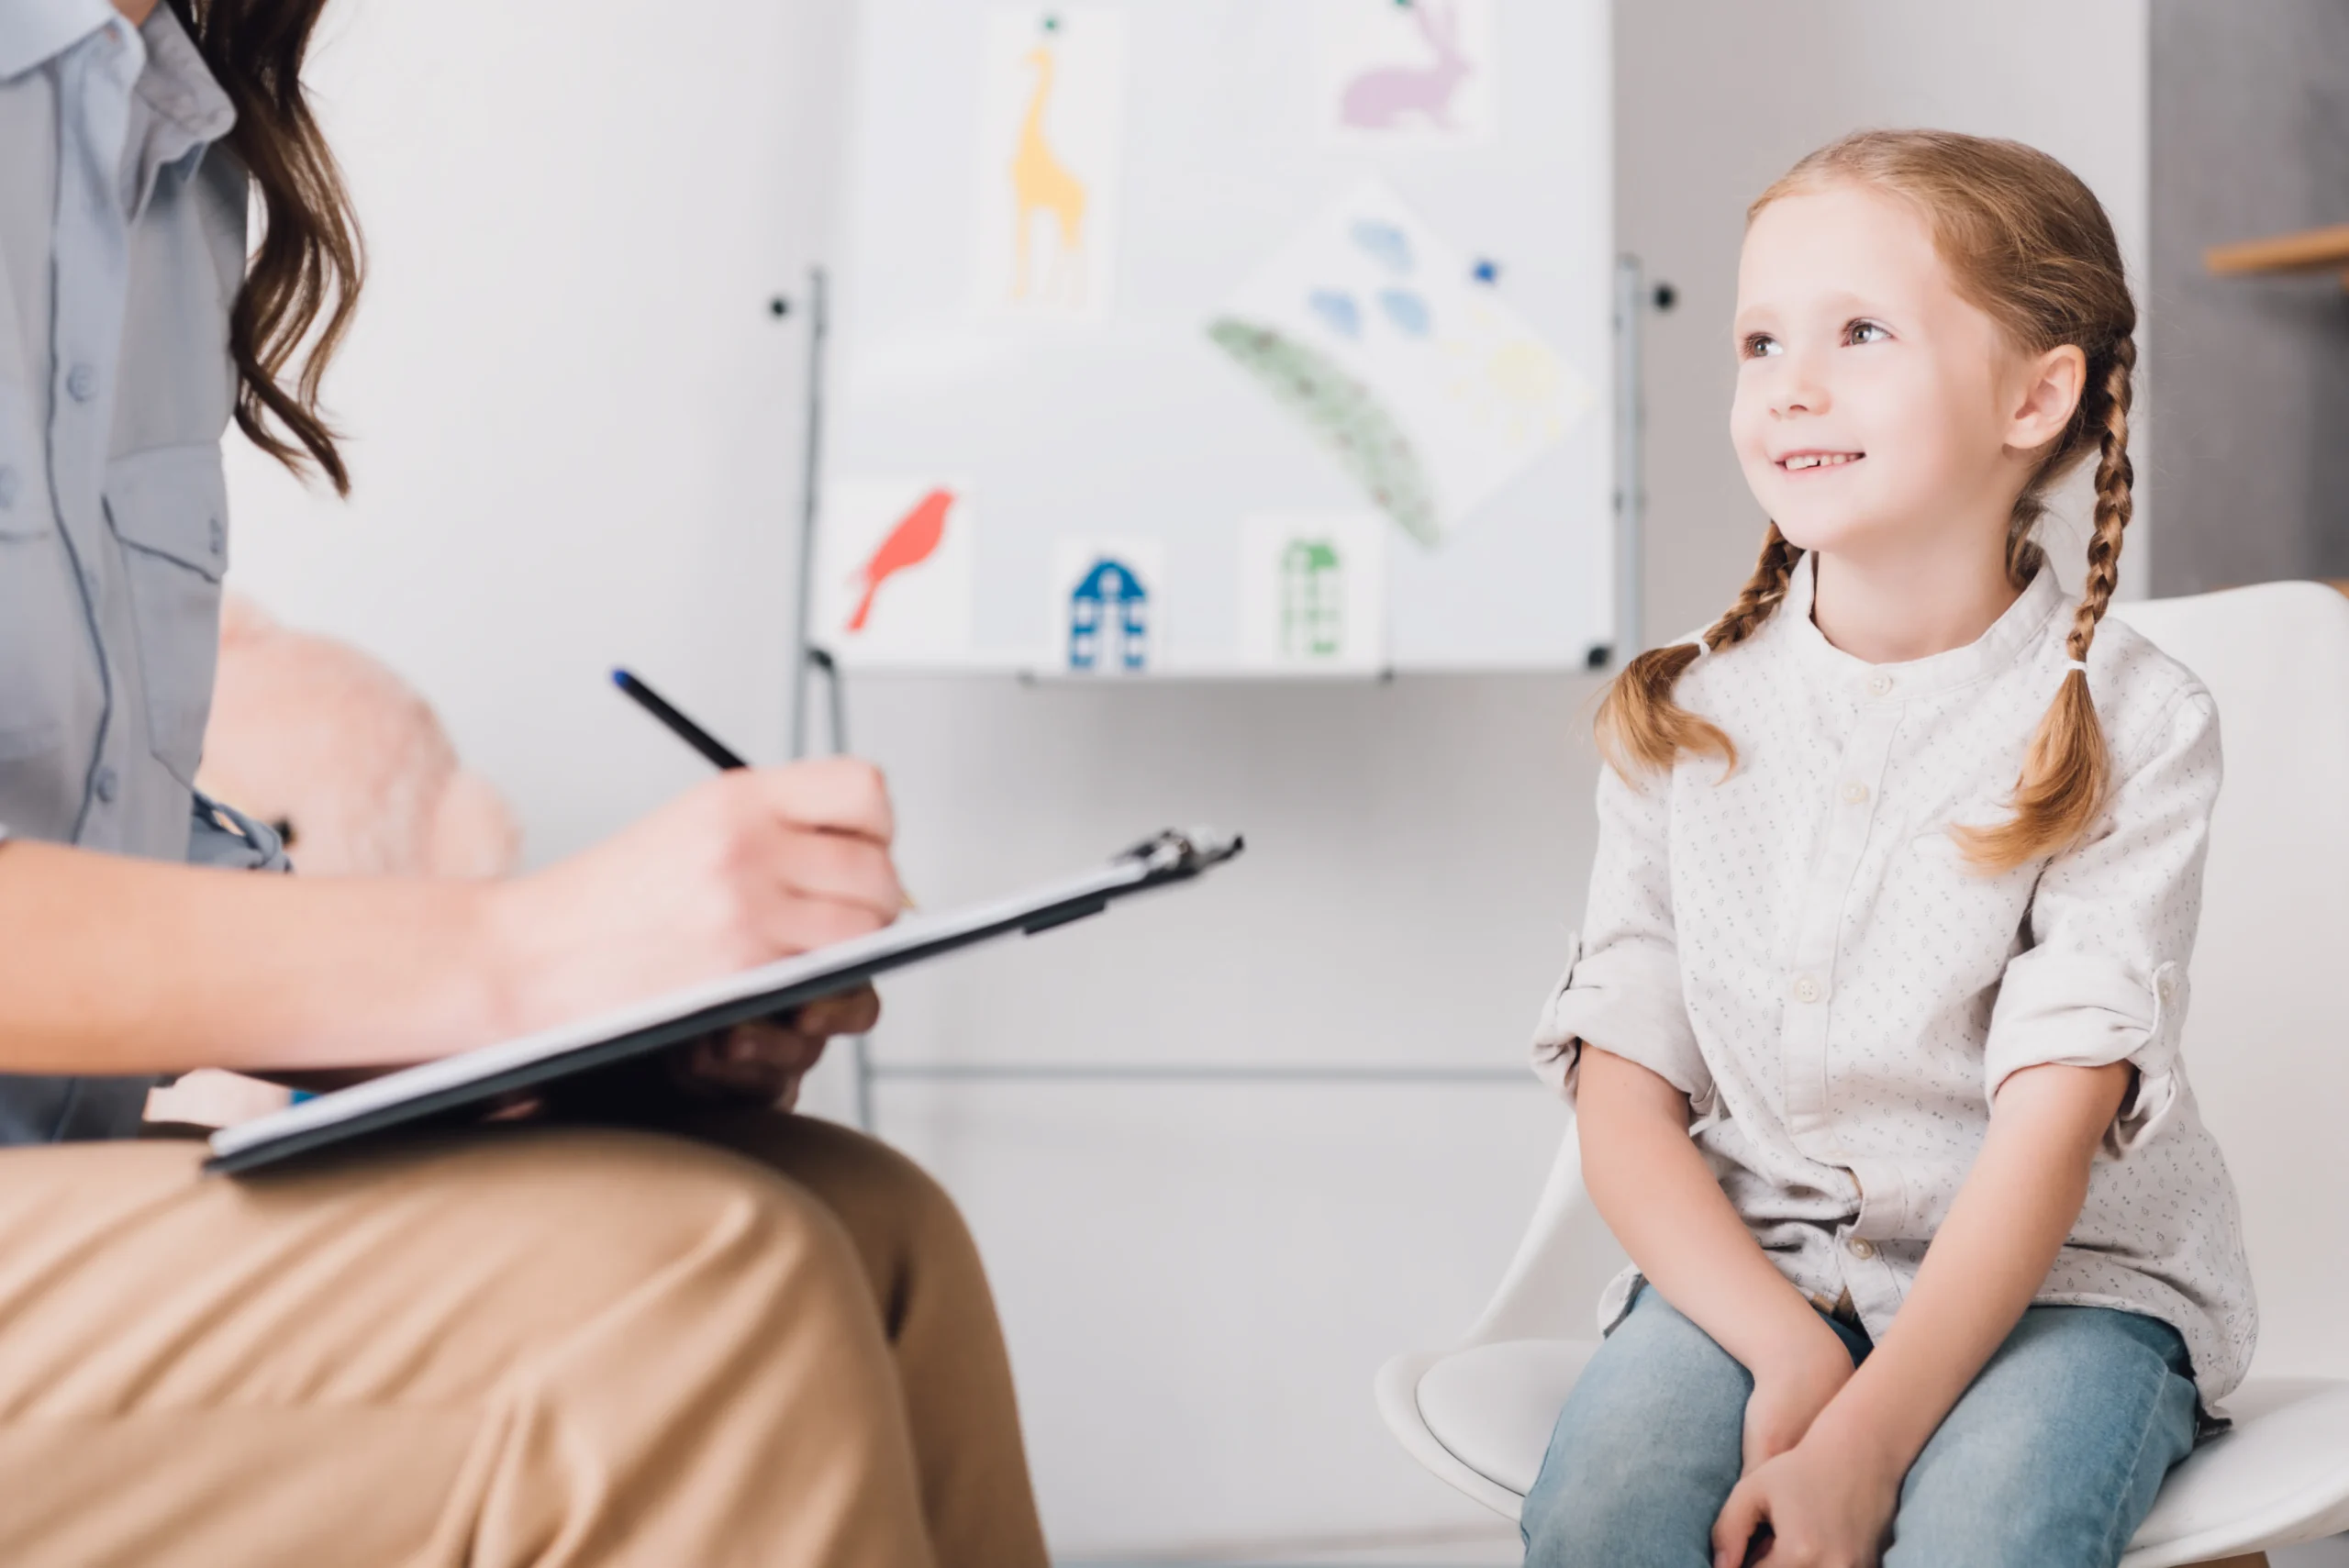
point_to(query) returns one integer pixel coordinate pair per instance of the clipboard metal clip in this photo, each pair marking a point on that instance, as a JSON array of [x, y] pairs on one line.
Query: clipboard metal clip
[[1171, 856], [1174, 854]]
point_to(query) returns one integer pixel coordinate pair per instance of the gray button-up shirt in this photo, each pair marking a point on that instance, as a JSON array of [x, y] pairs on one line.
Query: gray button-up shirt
[[122, 247]]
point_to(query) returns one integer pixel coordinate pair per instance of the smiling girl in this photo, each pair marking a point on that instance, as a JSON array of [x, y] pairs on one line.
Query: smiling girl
[[1874, 1028]]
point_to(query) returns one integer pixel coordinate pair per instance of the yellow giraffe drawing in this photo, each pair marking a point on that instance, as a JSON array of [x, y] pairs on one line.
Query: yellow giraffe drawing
[[1042, 184]]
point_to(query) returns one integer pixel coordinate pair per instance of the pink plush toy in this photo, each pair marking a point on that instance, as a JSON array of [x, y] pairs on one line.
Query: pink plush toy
[[322, 742], [352, 768]]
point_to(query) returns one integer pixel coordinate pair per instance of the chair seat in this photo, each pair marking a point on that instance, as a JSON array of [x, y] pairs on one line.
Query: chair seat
[[1494, 1406], [2285, 1465]]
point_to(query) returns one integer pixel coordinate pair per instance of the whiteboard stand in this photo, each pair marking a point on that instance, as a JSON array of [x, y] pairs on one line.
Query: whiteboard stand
[[811, 452], [1631, 468], [805, 656]]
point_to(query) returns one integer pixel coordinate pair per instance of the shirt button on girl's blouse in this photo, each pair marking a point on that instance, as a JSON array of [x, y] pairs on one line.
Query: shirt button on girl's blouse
[[1807, 988], [1879, 685], [1855, 792], [1862, 1248]]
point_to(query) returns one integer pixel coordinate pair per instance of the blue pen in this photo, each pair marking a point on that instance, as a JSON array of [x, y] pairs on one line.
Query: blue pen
[[719, 754]]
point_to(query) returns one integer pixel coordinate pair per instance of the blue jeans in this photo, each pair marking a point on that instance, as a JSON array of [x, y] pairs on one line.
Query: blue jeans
[[2052, 1459]]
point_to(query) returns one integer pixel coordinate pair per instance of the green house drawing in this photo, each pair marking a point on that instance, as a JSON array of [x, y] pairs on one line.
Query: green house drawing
[[1313, 600]]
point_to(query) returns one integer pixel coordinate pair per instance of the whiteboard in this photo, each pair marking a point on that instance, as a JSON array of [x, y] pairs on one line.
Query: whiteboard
[[1308, 366]]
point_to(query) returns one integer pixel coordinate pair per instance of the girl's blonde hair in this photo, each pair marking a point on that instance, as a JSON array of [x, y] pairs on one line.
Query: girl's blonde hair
[[2030, 245]]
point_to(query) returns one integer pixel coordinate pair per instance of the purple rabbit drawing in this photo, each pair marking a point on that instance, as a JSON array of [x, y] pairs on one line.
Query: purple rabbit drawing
[[1379, 99]]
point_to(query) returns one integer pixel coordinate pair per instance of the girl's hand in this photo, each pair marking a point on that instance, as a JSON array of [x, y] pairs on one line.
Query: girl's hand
[[1827, 1503], [754, 865], [1790, 1392], [764, 1062]]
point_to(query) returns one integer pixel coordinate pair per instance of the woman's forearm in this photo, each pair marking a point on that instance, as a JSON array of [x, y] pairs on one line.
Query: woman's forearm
[[1657, 1194], [112, 966], [1987, 1261]]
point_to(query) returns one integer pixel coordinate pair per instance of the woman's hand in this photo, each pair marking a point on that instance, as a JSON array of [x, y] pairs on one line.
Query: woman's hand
[[1790, 1390], [764, 1062], [1827, 1502], [756, 864]]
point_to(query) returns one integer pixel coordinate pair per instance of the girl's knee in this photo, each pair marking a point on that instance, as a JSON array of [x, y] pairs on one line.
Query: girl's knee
[[1618, 1523], [2057, 1451], [1626, 1489], [1645, 1450]]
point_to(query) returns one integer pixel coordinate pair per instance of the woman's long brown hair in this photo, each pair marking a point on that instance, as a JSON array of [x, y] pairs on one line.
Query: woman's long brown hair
[[2030, 245], [301, 283]]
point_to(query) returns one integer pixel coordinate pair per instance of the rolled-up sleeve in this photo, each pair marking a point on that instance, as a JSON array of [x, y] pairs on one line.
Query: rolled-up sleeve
[[1622, 990], [2112, 928]]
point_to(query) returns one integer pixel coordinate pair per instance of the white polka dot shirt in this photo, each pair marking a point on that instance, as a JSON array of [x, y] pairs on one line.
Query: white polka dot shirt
[[1801, 948]]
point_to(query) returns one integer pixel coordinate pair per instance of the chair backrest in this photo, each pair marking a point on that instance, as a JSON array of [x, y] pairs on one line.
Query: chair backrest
[[2267, 1037]]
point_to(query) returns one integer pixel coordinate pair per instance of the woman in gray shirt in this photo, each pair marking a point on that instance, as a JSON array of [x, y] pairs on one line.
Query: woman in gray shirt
[[768, 1343]]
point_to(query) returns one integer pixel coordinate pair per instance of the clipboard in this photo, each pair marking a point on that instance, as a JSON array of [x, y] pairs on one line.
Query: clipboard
[[469, 1083]]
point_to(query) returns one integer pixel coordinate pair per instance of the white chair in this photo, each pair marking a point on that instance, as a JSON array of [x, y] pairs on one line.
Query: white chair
[[2267, 1050]]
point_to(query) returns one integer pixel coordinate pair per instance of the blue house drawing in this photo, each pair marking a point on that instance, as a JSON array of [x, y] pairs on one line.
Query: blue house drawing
[[1108, 619]]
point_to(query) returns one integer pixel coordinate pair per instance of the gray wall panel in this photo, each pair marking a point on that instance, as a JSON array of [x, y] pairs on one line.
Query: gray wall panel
[[2248, 378]]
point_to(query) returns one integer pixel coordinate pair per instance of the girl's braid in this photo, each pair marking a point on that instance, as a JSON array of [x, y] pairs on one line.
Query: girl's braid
[[2114, 475], [2067, 771], [1640, 727], [1763, 594]]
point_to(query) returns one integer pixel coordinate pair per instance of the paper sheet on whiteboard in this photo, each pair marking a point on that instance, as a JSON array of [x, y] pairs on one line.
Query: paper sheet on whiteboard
[[1392, 349]]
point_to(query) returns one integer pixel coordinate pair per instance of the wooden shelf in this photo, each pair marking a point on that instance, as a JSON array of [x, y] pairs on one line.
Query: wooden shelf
[[2314, 250]]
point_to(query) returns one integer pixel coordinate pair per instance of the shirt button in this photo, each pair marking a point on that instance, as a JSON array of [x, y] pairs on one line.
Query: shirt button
[[109, 784], [1862, 1248], [1855, 794], [7, 485], [1879, 685], [1807, 988], [82, 381]]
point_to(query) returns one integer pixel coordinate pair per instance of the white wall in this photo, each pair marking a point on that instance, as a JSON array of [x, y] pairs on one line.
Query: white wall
[[574, 426], [576, 446]]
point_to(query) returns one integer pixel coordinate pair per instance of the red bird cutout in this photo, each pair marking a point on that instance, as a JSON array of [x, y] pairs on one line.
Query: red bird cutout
[[911, 542]]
